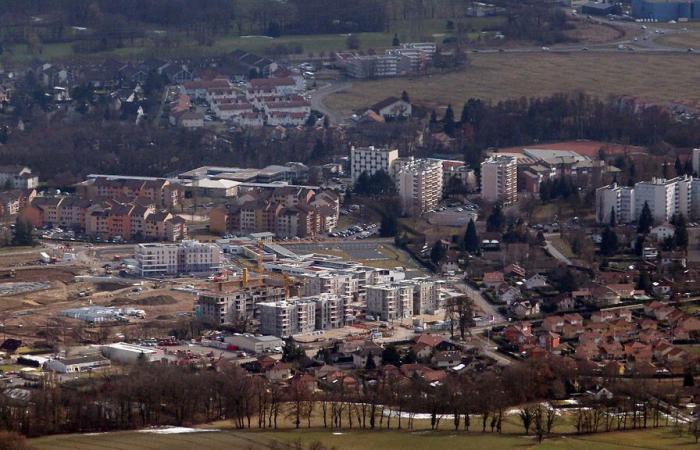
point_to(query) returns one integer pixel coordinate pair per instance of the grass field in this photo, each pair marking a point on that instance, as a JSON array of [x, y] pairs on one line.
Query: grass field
[[505, 75], [358, 440], [428, 29]]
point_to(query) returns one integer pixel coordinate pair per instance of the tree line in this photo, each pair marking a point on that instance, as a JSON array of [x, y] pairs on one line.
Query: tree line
[[374, 399]]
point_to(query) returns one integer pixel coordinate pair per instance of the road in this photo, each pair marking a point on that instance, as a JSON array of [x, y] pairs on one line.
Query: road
[[552, 250], [319, 95], [479, 300]]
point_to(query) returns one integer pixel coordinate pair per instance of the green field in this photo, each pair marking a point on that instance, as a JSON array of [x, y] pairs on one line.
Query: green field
[[498, 76], [363, 440], [428, 29]]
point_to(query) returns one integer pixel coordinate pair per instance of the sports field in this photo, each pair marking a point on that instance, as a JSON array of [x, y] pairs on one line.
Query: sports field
[[497, 76]]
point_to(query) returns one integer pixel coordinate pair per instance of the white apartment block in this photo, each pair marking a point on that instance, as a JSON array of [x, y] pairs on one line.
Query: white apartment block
[[371, 160], [172, 259], [419, 184], [427, 295], [499, 180], [664, 197], [285, 318], [617, 198], [680, 195], [390, 302]]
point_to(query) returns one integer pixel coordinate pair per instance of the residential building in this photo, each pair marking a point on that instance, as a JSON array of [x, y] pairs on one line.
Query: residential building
[[390, 301], [499, 179], [172, 259], [664, 197], [419, 184], [237, 300], [617, 199], [373, 66], [285, 318], [371, 160], [18, 177]]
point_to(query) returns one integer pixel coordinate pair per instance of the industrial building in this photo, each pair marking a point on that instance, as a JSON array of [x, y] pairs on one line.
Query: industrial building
[[255, 344], [124, 353], [666, 10], [77, 364]]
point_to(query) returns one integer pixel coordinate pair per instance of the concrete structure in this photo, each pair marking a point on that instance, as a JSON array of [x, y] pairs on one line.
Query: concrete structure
[[390, 301], [172, 259], [619, 199], [255, 344], [499, 179], [419, 184], [371, 160], [236, 300]]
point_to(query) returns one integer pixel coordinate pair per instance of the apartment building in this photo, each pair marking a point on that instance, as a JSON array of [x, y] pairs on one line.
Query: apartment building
[[459, 170], [18, 177], [285, 318], [617, 199], [158, 191], [390, 301], [371, 160], [373, 66], [419, 184], [286, 211], [665, 198], [427, 295], [171, 259], [237, 300], [499, 179]]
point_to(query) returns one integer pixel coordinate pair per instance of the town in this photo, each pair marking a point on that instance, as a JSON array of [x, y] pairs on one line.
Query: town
[[210, 244]]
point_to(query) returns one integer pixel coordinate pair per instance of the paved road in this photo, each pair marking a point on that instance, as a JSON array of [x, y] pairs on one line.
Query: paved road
[[481, 302], [319, 95], [556, 253]]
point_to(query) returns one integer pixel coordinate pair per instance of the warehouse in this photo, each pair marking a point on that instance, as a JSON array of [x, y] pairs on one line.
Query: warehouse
[[124, 353], [255, 344], [77, 364], [666, 10]]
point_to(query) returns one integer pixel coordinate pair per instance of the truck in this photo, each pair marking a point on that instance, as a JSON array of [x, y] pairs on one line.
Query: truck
[[45, 258]]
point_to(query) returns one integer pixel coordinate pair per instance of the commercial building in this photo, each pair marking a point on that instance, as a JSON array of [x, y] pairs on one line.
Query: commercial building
[[371, 160], [666, 10], [419, 184], [172, 259], [499, 179], [390, 301], [255, 344], [124, 353], [77, 364]]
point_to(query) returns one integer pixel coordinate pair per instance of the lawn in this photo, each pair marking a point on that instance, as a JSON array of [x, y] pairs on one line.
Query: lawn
[[363, 440], [505, 75]]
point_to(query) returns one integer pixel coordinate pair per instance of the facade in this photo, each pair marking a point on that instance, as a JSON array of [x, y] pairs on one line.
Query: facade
[[285, 318], [499, 180], [666, 10], [390, 301], [371, 160], [419, 184], [172, 259]]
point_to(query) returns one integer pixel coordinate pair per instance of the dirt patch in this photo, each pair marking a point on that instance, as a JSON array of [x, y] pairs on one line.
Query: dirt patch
[[109, 287], [43, 274], [156, 300]]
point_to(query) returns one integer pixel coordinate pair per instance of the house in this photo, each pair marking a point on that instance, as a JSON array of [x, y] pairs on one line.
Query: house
[[392, 108], [279, 371], [370, 350], [525, 308], [493, 279], [638, 351], [536, 281], [510, 294], [446, 359], [662, 232], [549, 341]]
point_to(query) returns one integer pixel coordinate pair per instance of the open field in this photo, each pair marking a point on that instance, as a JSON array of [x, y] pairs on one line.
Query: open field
[[359, 440], [428, 29], [498, 76]]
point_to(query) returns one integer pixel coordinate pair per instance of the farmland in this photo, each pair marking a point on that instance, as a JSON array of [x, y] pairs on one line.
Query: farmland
[[498, 76]]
